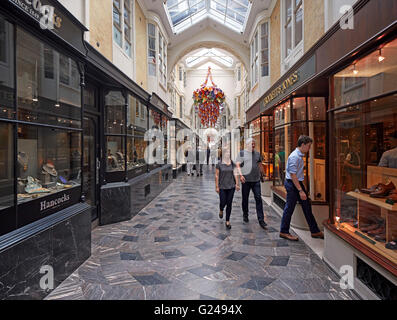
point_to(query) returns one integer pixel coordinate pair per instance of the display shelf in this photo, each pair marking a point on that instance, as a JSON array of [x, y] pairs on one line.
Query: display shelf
[[379, 247], [379, 202]]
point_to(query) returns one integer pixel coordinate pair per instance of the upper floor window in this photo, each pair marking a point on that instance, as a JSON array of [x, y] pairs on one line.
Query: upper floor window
[[180, 74], [239, 74], [293, 27], [122, 24], [254, 59], [152, 49], [265, 49]]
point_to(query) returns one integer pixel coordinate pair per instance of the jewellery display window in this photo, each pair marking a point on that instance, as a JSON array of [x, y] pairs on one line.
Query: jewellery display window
[[48, 84], [115, 161], [7, 57], [365, 198], [306, 117], [48, 161]]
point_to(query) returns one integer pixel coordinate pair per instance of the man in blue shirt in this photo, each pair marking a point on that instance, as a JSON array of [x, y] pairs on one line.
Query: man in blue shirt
[[296, 191]]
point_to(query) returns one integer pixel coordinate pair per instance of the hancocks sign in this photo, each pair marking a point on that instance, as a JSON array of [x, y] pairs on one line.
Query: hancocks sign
[[43, 13]]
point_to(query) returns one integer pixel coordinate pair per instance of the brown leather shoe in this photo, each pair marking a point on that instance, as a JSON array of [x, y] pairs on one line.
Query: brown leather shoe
[[393, 195], [318, 235], [376, 232], [369, 190], [289, 237], [382, 190]]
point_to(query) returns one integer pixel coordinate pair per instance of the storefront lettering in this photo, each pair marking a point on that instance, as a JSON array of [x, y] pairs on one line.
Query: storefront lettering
[[44, 205], [45, 14], [282, 88]]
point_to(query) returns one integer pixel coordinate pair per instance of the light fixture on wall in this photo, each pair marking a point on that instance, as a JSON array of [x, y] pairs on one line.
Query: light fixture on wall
[[355, 71], [381, 58]]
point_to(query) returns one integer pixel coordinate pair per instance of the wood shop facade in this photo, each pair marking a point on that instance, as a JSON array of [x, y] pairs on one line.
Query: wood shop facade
[[342, 93], [72, 144]]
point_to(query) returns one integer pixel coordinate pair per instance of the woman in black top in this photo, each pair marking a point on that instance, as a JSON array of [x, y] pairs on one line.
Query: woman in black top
[[226, 183]]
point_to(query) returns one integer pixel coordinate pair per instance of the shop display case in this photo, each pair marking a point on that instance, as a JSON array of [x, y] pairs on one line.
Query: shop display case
[[365, 194]]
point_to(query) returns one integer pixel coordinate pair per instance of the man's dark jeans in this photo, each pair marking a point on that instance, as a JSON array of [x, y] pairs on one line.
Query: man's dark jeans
[[292, 198], [226, 200], [256, 189]]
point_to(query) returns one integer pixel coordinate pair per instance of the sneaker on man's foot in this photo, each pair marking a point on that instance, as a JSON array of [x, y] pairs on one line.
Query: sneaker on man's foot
[[245, 219], [263, 224]]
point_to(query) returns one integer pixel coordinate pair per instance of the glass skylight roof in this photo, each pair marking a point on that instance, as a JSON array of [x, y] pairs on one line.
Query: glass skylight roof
[[204, 54], [184, 13]]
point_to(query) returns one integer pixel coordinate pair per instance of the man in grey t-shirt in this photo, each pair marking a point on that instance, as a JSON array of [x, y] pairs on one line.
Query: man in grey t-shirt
[[249, 167]]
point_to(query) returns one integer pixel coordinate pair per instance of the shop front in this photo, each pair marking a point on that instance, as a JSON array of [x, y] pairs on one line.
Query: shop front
[[177, 139], [363, 219], [44, 219]]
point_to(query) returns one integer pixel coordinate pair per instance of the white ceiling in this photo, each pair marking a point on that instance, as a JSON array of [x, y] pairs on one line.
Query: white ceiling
[[157, 7]]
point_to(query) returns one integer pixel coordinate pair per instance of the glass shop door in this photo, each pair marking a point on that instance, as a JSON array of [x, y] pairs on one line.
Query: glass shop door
[[92, 164]]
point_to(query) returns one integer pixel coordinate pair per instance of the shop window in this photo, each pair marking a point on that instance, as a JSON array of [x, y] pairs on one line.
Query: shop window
[[286, 134], [6, 70], [254, 60], [372, 76], [115, 113], [267, 146], [365, 142], [317, 108], [49, 161], [45, 95], [115, 154], [299, 109], [6, 167], [281, 152]]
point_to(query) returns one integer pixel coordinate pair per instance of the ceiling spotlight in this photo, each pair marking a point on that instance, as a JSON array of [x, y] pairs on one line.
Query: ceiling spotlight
[[381, 58], [355, 71]]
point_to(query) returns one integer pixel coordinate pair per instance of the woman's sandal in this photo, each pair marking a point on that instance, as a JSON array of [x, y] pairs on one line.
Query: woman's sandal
[[228, 226], [220, 214]]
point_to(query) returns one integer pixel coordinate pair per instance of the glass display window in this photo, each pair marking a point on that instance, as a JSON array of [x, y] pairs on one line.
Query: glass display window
[[365, 201], [48, 84], [48, 161], [7, 58], [6, 166], [267, 147], [286, 135], [299, 109], [115, 154], [136, 114], [115, 113], [317, 109], [371, 76]]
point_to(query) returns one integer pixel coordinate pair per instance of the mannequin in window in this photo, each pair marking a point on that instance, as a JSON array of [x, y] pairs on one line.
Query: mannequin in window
[[389, 158]]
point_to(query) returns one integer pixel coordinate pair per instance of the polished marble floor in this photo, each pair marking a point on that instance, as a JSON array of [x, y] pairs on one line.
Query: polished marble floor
[[177, 248]]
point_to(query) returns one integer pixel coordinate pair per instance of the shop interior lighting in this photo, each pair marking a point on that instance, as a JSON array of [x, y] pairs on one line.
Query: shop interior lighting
[[355, 71], [381, 58]]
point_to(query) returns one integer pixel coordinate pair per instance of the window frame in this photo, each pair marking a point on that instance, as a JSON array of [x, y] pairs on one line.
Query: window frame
[[265, 50], [291, 21], [123, 23]]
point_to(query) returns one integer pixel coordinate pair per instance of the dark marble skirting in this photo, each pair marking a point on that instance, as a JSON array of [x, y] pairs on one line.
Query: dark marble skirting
[[122, 201], [62, 241]]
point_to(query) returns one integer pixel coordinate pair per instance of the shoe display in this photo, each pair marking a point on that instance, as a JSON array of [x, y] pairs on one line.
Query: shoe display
[[391, 245], [376, 232], [392, 196], [381, 237], [382, 190], [369, 190]]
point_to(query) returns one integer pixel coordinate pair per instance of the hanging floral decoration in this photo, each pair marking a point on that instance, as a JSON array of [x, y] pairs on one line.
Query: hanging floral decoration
[[209, 102]]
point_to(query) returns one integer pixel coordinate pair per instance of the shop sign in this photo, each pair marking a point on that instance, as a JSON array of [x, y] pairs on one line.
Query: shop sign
[[43, 13], [52, 204], [282, 88], [290, 84]]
